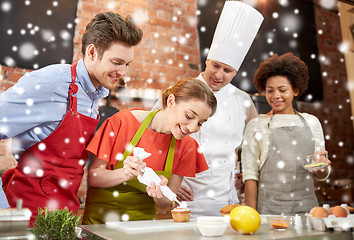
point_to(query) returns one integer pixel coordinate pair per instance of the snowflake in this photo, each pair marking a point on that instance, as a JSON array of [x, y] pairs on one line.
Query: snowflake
[[63, 183], [129, 147], [125, 217], [41, 146], [280, 164], [37, 130], [119, 156], [329, 4], [19, 90], [111, 217], [39, 173], [211, 193], [258, 136], [53, 203], [4, 130], [215, 164], [344, 46], [26, 170], [141, 17], [6, 6]]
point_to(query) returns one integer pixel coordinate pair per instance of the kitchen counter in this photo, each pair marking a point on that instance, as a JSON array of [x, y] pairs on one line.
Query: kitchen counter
[[102, 232]]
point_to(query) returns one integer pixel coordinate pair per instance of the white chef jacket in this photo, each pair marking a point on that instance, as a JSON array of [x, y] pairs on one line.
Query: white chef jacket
[[218, 139]]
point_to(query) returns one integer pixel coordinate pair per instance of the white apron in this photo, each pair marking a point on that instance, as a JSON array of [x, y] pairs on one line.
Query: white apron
[[213, 190]]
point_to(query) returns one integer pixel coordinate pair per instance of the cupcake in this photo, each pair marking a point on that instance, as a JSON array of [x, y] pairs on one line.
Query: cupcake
[[181, 214], [227, 209]]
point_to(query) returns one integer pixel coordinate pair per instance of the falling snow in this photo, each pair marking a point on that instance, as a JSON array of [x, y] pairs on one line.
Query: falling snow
[[42, 35], [33, 44]]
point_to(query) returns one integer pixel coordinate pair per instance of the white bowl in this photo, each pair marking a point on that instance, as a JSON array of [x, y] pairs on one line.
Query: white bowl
[[211, 226]]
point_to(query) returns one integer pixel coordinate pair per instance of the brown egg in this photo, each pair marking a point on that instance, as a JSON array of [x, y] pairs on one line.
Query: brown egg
[[320, 212], [311, 211], [338, 211]]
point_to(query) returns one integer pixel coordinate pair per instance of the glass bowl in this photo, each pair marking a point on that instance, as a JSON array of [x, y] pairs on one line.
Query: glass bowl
[[279, 223], [314, 162]]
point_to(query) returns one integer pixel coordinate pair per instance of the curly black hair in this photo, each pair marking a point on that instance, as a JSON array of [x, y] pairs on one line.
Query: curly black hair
[[287, 65]]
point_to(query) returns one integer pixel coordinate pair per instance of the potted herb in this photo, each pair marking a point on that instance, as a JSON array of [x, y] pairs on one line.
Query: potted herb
[[56, 224]]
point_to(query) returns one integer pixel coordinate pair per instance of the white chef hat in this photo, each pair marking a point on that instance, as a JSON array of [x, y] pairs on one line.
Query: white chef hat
[[237, 27]]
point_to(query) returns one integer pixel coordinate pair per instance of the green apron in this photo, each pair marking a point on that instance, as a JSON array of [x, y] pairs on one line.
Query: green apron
[[126, 201]]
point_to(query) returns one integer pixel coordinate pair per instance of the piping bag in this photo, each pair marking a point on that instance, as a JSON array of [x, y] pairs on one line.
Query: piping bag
[[149, 175]]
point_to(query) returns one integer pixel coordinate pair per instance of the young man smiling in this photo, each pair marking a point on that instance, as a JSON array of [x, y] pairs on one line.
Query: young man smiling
[[51, 114]]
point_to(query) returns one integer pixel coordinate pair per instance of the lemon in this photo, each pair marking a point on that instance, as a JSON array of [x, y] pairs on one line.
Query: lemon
[[245, 220]]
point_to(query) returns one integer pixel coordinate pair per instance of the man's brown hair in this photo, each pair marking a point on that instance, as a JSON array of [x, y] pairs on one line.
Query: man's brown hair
[[107, 28]]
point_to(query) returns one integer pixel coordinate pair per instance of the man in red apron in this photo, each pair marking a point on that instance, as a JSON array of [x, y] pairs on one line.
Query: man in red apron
[[50, 166]]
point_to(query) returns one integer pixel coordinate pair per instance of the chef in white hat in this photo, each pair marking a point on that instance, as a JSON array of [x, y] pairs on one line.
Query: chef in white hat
[[220, 136]]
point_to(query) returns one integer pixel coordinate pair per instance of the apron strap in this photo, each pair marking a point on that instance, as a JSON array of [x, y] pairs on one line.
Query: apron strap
[[302, 119], [73, 90], [136, 138], [170, 155]]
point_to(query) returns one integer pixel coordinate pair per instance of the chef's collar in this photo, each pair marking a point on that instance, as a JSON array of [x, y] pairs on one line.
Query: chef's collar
[[85, 82]]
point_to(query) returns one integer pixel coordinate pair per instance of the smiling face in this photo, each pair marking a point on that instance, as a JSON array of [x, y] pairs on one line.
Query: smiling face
[[186, 117], [280, 95], [218, 75], [110, 69]]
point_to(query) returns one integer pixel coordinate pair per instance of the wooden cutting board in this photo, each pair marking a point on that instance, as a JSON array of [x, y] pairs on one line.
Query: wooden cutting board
[[150, 225]]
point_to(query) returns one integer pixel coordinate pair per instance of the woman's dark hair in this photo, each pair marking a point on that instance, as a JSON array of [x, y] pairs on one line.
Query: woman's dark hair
[[107, 28], [190, 88], [287, 65]]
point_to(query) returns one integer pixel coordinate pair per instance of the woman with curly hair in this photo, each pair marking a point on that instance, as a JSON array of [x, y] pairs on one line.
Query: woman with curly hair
[[274, 143]]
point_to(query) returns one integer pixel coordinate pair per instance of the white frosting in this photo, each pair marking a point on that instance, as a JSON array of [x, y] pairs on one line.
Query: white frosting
[[180, 209]]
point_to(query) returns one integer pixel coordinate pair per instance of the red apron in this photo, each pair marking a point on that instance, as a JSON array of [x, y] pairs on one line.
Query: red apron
[[49, 173]]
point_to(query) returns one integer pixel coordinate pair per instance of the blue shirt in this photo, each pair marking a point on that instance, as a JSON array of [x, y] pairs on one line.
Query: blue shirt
[[34, 107], [3, 200]]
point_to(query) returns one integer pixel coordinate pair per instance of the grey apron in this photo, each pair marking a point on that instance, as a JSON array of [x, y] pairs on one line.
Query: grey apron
[[284, 185]]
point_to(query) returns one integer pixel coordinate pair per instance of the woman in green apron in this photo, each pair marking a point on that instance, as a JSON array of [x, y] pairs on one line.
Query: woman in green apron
[[115, 193], [275, 143]]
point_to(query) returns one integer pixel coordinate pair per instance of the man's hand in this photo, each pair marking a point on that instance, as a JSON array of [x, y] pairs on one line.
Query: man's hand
[[81, 194], [184, 194], [239, 184]]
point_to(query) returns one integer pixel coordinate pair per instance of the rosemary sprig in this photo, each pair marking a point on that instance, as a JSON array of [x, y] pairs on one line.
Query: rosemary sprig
[[56, 224]]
